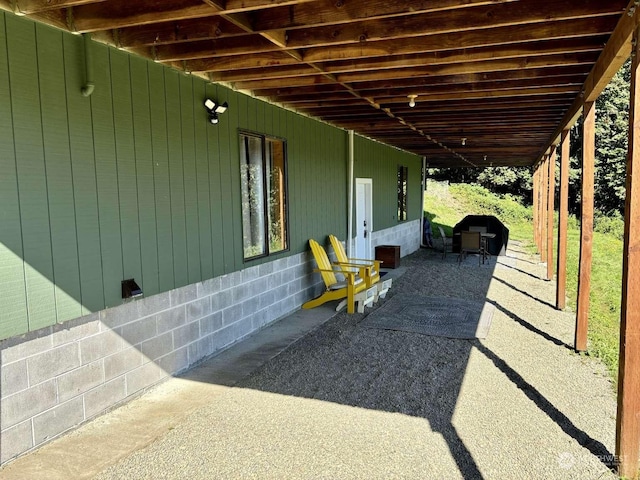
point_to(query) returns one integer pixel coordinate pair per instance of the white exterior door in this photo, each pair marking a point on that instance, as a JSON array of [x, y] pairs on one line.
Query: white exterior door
[[364, 220]]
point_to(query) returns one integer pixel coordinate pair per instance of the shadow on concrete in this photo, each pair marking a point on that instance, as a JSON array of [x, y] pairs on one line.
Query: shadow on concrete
[[567, 426], [524, 272], [524, 293], [520, 259], [529, 326]]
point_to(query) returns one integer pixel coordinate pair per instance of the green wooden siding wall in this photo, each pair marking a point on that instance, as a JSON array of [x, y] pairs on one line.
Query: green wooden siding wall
[[133, 181], [380, 163]]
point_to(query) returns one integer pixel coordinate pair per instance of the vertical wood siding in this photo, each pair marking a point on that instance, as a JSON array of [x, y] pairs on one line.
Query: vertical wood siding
[[380, 162], [215, 191], [134, 182], [85, 187], [12, 281], [33, 190]]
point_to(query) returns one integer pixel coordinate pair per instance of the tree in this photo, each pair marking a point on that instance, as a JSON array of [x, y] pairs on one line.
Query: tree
[[512, 180], [612, 128], [612, 133], [455, 175]]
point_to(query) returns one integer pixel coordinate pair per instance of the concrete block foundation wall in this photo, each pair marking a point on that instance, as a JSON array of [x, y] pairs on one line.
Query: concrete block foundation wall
[[406, 234], [58, 377]]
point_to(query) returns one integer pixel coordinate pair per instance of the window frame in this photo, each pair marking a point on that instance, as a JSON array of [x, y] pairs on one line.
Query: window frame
[[263, 139]]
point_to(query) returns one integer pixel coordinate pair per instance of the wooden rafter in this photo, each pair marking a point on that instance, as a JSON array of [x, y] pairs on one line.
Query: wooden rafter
[[522, 63]]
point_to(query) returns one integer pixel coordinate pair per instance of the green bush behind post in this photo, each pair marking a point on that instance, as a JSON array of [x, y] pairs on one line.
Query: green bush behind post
[[611, 224]]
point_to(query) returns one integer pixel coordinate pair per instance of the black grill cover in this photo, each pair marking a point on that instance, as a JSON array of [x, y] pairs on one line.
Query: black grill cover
[[495, 246]]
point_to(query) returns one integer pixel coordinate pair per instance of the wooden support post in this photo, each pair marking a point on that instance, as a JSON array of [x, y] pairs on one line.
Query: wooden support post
[[551, 175], [543, 208], [628, 419], [563, 216], [536, 204], [586, 225], [538, 228]]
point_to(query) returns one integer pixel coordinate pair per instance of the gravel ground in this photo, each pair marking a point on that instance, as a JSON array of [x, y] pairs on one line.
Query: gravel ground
[[352, 402]]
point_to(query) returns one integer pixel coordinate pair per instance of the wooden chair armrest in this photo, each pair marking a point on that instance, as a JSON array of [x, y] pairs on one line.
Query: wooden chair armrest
[[363, 270], [365, 260], [355, 265], [348, 274]]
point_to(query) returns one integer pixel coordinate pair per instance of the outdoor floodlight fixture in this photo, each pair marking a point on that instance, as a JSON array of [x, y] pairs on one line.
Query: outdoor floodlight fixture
[[412, 100], [130, 289], [214, 109]]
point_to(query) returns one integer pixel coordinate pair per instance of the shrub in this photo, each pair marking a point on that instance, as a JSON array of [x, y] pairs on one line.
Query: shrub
[[573, 223], [610, 224]]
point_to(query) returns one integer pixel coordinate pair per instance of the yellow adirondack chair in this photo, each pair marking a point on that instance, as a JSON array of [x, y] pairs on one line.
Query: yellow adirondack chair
[[353, 288], [371, 268]]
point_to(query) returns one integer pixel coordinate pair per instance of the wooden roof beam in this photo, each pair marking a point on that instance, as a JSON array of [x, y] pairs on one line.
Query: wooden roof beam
[[240, 62], [494, 37], [54, 18], [242, 20], [528, 141], [518, 92], [283, 40], [212, 27], [483, 66], [484, 38], [422, 120], [395, 65], [330, 12], [542, 72], [381, 94], [272, 87], [484, 104], [270, 59], [524, 49], [538, 134], [247, 44], [456, 21], [483, 120], [533, 127], [28, 7], [126, 13]]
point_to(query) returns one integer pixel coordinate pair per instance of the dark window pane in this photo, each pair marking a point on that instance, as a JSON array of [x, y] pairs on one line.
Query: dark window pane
[[276, 195], [402, 193]]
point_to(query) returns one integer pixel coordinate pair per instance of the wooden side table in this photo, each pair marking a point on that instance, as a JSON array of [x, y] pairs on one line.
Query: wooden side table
[[389, 254]]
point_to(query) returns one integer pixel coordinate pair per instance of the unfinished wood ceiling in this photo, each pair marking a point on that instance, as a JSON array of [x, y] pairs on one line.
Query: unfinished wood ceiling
[[493, 79]]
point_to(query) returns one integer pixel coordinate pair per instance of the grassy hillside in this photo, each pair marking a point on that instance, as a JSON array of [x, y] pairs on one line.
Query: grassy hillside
[[448, 204]]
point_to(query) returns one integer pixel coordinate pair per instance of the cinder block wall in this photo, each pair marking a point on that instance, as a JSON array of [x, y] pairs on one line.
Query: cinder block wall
[[58, 377], [407, 235]]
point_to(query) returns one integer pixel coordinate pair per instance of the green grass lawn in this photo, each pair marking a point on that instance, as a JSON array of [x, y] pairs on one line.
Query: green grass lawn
[[448, 204], [605, 295]]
